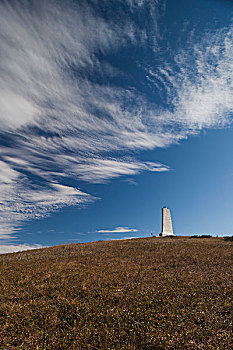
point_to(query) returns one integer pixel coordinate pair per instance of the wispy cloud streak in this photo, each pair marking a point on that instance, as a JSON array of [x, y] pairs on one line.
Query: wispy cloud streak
[[13, 248], [118, 230]]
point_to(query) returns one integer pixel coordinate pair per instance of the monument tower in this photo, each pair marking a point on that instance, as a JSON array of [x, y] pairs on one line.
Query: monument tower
[[167, 229]]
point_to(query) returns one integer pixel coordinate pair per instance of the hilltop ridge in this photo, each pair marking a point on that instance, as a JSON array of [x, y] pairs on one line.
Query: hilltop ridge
[[147, 293]]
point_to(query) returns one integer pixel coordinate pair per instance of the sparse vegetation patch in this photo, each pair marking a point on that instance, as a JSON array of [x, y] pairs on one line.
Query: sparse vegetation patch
[[137, 294]]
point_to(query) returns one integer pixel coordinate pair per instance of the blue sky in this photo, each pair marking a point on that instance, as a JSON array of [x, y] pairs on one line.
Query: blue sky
[[110, 110]]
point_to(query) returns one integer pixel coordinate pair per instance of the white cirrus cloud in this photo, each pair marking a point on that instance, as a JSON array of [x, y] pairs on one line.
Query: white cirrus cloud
[[13, 248], [118, 230], [199, 94], [21, 200], [50, 111]]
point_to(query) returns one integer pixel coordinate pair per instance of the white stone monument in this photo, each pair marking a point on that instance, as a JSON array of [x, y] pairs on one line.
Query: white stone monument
[[167, 229]]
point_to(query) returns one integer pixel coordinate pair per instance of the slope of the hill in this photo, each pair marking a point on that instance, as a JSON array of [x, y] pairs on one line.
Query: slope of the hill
[[149, 293]]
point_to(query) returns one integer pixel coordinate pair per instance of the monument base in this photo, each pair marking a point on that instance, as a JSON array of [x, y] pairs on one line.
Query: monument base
[[163, 234]]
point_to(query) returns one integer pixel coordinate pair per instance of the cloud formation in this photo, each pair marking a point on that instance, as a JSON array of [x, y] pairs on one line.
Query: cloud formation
[[200, 94], [56, 122], [63, 116], [118, 230], [13, 248]]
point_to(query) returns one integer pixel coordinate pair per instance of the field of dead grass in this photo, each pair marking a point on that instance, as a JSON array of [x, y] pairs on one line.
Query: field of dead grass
[[150, 293]]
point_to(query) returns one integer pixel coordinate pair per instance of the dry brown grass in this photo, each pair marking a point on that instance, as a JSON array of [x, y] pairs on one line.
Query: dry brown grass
[[150, 293]]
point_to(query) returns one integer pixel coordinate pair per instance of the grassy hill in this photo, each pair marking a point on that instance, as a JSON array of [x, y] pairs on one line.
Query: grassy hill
[[150, 293]]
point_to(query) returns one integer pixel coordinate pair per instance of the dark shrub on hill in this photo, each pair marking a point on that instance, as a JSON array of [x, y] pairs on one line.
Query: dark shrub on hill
[[228, 238], [201, 236]]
